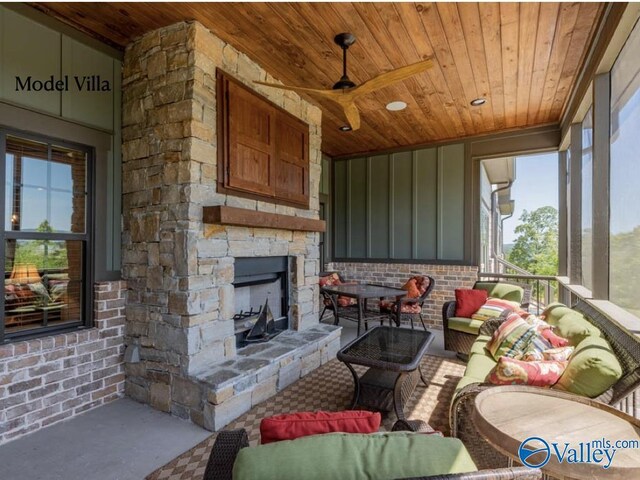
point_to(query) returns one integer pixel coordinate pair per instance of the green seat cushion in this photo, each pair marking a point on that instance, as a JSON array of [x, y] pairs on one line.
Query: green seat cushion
[[479, 344], [354, 456], [479, 366], [592, 369], [464, 381], [466, 325], [575, 328], [554, 312], [504, 291]]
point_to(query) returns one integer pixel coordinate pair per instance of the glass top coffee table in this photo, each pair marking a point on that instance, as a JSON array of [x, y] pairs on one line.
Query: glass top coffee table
[[393, 356]]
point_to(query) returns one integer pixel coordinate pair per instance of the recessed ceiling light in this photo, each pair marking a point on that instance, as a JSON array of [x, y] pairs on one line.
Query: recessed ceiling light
[[476, 102], [396, 106], [344, 128]]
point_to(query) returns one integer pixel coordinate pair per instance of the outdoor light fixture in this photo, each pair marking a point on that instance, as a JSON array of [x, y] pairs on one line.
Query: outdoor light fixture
[[476, 102], [396, 106], [344, 128]]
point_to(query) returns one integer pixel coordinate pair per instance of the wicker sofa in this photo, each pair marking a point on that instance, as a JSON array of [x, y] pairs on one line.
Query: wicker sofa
[[459, 332], [229, 443], [622, 395]]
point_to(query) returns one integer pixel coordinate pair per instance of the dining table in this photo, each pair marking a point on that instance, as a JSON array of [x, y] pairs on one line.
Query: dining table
[[363, 292]]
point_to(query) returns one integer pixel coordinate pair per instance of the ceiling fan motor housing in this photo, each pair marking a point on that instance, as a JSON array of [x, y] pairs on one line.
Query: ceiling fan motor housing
[[344, 40]]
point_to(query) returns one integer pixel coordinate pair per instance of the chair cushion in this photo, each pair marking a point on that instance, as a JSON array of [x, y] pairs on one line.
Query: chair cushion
[[354, 456], [479, 344], [469, 301], [332, 279], [510, 371], [302, 424], [592, 370], [505, 291], [494, 307], [466, 325], [511, 338], [479, 366], [389, 306], [575, 328]]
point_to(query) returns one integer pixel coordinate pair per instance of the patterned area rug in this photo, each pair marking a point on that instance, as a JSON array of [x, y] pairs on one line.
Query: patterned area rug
[[330, 387]]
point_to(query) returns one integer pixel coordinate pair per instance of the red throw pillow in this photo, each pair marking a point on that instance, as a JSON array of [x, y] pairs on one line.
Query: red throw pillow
[[555, 340], [510, 371], [296, 425], [331, 279], [469, 301]]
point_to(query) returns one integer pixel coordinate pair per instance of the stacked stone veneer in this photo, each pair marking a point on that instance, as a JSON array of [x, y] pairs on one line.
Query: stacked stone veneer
[[49, 379], [447, 277], [180, 271]]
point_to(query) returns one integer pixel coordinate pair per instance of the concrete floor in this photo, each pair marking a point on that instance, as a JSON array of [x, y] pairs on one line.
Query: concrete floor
[[123, 440], [120, 441]]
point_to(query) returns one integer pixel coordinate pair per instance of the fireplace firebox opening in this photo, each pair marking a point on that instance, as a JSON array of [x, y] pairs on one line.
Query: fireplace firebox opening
[[258, 280]]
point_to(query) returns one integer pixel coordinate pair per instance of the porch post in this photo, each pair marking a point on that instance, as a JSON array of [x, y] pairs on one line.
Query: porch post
[[601, 127], [575, 205], [563, 251]]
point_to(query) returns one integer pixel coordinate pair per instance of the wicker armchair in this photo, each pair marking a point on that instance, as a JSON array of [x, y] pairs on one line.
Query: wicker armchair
[[624, 395], [406, 314], [229, 442], [461, 342]]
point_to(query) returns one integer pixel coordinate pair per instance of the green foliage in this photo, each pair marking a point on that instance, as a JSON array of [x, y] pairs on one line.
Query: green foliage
[[625, 265], [536, 246], [44, 254]]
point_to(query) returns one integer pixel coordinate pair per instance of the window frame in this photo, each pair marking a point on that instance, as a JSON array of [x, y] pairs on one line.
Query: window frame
[[87, 238]]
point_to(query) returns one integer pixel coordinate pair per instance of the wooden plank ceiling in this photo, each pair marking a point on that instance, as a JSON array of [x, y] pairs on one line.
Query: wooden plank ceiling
[[523, 57]]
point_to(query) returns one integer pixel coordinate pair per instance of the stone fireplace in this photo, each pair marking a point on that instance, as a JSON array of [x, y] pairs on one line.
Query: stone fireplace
[[186, 277]]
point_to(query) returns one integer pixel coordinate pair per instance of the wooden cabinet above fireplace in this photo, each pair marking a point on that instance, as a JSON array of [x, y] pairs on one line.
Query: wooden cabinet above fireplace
[[263, 151]]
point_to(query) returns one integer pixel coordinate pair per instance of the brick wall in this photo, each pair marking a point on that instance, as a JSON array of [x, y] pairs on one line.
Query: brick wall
[[447, 277], [49, 379]]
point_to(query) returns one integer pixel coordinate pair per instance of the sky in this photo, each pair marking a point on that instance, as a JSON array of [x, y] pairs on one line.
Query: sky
[[536, 186]]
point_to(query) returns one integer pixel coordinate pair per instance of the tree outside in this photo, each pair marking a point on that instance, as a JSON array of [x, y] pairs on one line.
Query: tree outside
[[536, 246]]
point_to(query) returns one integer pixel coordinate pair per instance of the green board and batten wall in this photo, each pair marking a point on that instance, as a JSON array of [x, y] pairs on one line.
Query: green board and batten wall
[[30, 45], [400, 206]]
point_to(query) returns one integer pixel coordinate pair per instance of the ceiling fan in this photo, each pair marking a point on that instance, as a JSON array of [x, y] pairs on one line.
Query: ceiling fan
[[344, 92]]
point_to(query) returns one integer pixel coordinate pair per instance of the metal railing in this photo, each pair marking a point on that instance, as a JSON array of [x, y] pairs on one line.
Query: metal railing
[[544, 288]]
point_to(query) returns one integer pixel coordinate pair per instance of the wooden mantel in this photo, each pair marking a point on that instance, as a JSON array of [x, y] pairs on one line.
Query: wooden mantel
[[223, 215]]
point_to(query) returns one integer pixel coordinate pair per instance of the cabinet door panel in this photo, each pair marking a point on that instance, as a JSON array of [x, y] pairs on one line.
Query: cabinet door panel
[[292, 147], [251, 146]]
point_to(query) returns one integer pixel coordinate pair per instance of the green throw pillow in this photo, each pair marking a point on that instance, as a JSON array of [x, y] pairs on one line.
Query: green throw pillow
[[504, 291], [575, 328], [592, 369], [554, 312], [354, 456]]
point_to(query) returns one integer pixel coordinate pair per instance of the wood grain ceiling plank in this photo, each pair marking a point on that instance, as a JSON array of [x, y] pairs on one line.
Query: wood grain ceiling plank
[[491, 37], [546, 33], [469, 14], [411, 19], [448, 13], [435, 30], [379, 32], [509, 28], [566, 21], [580, 36], [527, 31]]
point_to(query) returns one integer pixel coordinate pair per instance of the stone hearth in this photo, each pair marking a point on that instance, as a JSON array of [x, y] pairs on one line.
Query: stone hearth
[[179, 270]]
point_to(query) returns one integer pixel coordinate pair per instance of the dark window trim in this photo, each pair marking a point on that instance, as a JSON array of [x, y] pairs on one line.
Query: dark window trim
[[88, 238], [414, 261]]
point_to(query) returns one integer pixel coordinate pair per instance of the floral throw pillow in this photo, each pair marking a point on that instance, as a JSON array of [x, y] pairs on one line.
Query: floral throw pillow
[[561, 354], [510, 371], [511, 338]]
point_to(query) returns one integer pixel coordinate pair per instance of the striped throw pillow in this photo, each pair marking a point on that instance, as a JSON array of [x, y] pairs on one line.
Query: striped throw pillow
[[494, 307], [511, 338]]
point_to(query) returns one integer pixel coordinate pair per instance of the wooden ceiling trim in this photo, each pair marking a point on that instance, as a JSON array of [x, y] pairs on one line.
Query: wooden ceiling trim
[[492, 36], [544, 42]]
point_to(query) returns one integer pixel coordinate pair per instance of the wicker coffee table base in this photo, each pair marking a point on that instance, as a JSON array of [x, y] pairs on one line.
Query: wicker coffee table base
[[384, 390]]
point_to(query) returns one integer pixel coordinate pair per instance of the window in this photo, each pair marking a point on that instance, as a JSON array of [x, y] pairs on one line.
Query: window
[[624, 230], [587, 195], [45, 236]]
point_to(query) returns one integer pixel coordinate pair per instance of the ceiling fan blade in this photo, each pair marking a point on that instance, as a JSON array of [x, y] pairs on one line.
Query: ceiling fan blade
[[310, 91], [388, 78], [352, 114]]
